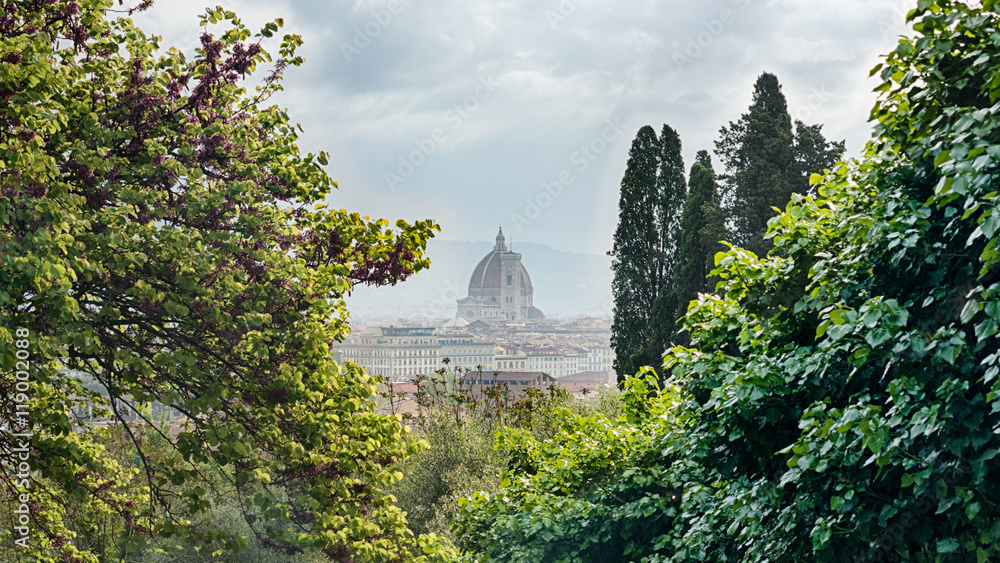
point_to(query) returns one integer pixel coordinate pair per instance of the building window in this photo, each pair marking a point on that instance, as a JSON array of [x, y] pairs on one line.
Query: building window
[[510, 278]]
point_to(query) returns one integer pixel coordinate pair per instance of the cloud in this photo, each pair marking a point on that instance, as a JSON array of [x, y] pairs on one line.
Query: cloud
[[381, 77]]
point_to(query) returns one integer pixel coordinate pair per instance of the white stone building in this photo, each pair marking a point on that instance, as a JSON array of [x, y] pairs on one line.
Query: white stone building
[[397, 353], [599, 358], [466, 352]]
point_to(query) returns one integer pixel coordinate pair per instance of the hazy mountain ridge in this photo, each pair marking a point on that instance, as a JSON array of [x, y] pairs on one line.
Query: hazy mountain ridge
[[566, 284]]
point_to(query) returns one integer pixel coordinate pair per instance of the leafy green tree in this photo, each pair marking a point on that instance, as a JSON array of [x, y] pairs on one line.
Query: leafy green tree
[[460, 461], [758, 154], [634, 255], [702, 229], [839, 401], [580, 495], [161, 232]]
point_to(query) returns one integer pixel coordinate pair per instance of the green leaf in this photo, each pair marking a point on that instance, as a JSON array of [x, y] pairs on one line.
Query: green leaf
[[837, 332], [972, 509], [871, 317], [986, 329], [969, 311], [947, 545], [878, 336], [990, 225], [949, 353]]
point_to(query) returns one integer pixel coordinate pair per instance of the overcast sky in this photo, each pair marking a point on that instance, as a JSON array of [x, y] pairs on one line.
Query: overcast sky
[[484, 112]]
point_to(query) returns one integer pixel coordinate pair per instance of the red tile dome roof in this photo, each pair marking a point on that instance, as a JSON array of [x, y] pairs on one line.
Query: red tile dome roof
[[488, 272]]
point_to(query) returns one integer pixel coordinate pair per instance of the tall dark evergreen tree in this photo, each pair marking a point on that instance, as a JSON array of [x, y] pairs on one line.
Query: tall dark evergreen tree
[[813, 154], [667, 238], [671, 192], [766, 161], [634, 254], [758, 153], [702, 227]]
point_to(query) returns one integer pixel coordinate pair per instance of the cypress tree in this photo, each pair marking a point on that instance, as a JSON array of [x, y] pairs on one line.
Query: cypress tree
[[634, 254], [671, 192], [758, 153], [813, 154], [765, 162], [702, 227]]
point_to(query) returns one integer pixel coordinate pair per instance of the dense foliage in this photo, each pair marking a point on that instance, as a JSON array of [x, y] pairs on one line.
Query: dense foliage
[[840, 400], [103, 534], [813, 154], [161, 232], [460, 425]]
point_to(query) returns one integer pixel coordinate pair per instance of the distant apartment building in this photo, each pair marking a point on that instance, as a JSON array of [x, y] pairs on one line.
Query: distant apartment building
[[399, 354], [587, 384], [557, 362], [516, 382], [510, 358], [561, 361], [467, 352], [599, 358]]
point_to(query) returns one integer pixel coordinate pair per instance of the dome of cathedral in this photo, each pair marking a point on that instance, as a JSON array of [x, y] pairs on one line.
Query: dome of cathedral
[[499, 289], [489, 271]]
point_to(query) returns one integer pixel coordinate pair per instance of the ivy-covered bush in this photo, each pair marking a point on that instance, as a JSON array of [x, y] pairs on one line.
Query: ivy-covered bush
[[840, 398]]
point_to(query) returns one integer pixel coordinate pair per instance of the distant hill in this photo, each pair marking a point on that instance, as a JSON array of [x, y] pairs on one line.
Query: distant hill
[[566, 284]]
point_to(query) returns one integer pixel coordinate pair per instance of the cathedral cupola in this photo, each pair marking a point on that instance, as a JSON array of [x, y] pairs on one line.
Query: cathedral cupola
[[499, 289], [501, 244]]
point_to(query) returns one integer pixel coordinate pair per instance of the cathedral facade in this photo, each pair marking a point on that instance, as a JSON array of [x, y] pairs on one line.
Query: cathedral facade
[[500, 289]]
